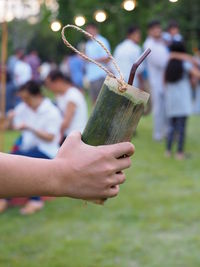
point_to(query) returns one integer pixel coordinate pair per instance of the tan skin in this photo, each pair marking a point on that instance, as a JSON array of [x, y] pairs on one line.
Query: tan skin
[[60, 87], [78, 171]]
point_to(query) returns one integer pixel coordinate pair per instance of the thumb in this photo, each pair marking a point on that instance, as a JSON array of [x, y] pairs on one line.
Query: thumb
[[74, 136], [69, 143]]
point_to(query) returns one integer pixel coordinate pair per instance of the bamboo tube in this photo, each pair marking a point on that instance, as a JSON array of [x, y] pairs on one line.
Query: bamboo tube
[[116, 115]]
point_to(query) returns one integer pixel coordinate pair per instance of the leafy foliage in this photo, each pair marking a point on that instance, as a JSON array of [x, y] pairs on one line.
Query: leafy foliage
[[50, 46]]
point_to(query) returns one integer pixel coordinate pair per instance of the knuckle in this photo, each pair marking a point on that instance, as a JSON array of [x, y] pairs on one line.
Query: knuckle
[[123, 178], [130, 148], [116, 191], [102, 152], [110, 169], [108, 182]]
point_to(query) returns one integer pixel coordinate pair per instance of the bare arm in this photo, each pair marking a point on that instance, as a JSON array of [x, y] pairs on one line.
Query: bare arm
[[195, 72], [39, 133], [78, 171], [68, 116], [43, 135], [103, 59], [183, 56]]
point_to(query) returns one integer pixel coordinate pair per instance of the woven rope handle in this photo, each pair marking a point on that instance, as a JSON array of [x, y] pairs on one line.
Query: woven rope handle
[[121, 81]]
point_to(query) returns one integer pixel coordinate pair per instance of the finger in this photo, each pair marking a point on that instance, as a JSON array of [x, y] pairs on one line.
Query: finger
[[113, 191], [73, 137], [123, 163], [120, 149], [118, 178]]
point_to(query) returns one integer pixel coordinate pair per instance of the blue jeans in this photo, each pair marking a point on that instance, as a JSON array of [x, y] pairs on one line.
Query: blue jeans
[[33, 153], [177, 126]]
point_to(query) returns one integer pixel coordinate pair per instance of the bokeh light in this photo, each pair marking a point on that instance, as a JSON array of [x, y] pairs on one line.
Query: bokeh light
[[80, 20], [129, 5], [56, 26], [100, 16]]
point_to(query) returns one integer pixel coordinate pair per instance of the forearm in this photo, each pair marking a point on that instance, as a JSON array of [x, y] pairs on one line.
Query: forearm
[[66, 122], [183, 56], [69, 114], [16, 180], [43, 135], [103, 60]]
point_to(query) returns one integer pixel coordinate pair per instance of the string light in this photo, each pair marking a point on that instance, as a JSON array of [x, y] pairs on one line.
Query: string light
[[129, 5], [79, 20], [56, 26], [100, 16]]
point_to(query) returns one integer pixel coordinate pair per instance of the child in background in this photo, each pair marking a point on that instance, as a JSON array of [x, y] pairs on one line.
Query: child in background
[[178, 99], [70, 101], [39, 121]]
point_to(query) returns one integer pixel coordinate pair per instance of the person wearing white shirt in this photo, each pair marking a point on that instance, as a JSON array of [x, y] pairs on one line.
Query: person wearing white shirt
[[39, 121], [22, 72], [156, 64], [93, 50], [70, 101], [128, 52]]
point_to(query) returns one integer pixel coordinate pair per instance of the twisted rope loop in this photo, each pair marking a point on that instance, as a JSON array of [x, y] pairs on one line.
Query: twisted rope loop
[[123, 86]]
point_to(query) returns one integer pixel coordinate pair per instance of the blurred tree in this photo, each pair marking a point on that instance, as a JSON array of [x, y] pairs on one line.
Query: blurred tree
[[50, 46], [114, 28]]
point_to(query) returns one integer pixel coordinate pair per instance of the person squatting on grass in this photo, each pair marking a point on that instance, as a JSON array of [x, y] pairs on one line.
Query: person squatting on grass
[[39, 121]]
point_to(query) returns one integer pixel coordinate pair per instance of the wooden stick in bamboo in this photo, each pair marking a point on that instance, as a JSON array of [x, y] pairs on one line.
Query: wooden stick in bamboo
[[3, 82]]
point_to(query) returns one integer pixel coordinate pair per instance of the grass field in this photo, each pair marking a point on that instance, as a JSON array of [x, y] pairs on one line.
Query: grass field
[[154, 222]]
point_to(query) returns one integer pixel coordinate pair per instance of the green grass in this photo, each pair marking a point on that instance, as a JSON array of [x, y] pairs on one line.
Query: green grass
[[154, 222]]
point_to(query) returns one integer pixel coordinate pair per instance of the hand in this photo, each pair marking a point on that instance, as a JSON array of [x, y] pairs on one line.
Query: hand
[[23, 127], [88, 172]]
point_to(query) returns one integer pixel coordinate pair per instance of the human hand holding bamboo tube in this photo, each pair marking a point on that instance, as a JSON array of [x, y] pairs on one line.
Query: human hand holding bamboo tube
[[79, 171], [91, 173]]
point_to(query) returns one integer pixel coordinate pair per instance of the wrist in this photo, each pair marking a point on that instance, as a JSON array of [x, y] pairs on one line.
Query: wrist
[[57, 178]]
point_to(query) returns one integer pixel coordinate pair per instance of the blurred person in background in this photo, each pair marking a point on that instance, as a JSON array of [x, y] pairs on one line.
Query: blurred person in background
[[93, 50], [22, 71], [34, 62], [156, 64], [10, 97], [45, 68], [76, 69], [172, 34], [196, 84], [12, 60], [127, 53], [178, 99], [70, 101], [64, 66], [39, 121], [11, 93]]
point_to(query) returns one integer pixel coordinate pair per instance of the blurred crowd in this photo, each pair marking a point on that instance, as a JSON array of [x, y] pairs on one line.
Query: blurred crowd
[[170, 74]]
